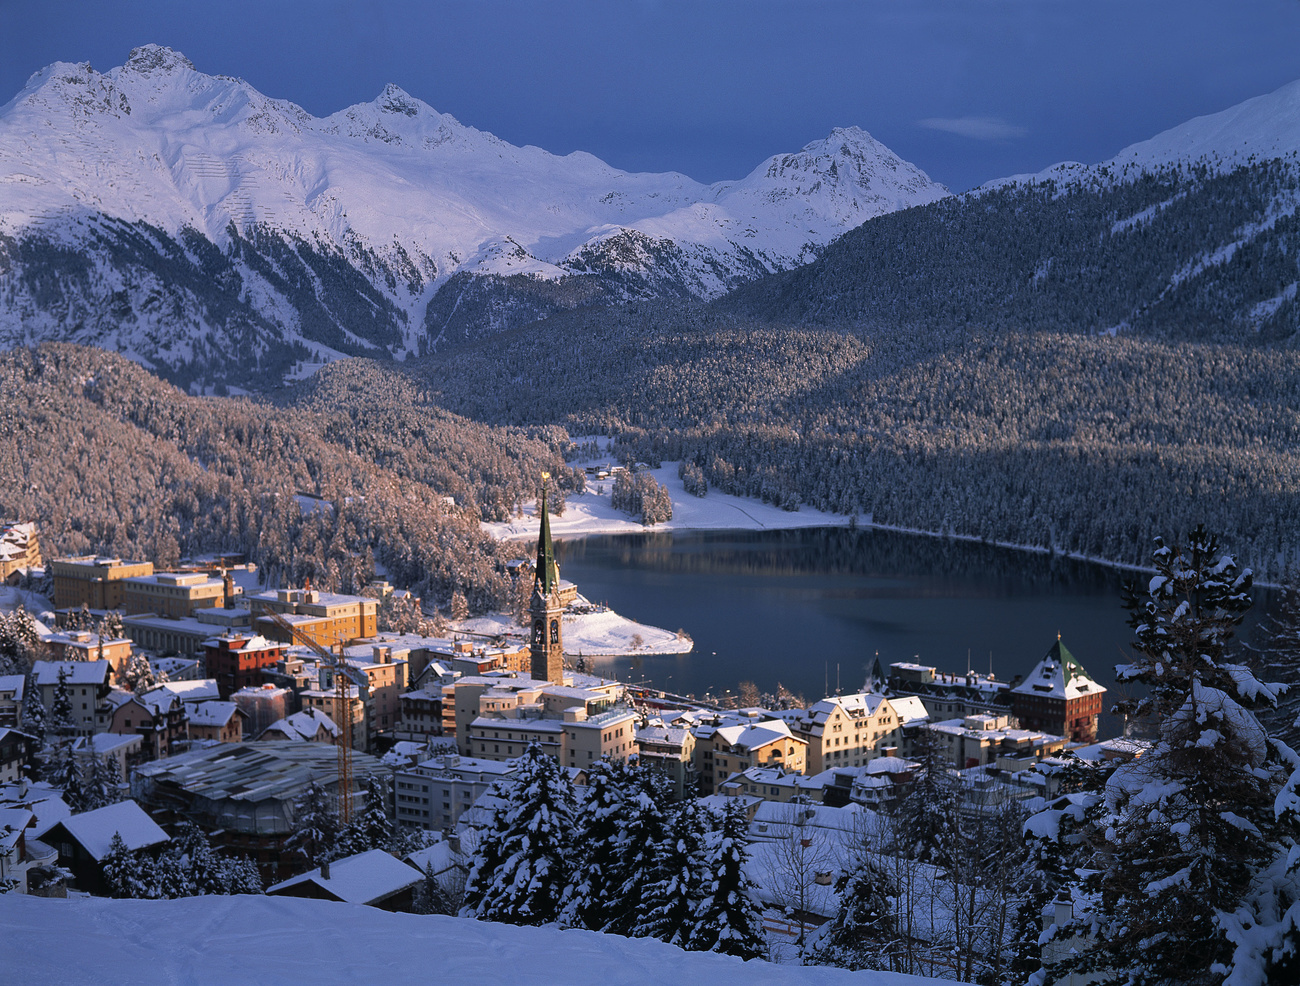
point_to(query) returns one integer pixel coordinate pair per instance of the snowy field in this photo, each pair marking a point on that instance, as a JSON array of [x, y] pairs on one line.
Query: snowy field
[[287, 942], [12, 597], [592, 634], [591, 513]]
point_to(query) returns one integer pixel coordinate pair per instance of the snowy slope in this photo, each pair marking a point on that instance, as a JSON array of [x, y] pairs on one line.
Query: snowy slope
[[159, 210], [282, 941], [1259, 128]]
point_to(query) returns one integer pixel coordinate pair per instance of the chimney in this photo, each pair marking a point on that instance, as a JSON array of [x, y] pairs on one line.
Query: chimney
[[325, 869]]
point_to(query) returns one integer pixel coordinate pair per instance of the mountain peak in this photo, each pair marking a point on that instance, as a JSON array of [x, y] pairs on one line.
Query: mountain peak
[[395, 99], [154, 59]]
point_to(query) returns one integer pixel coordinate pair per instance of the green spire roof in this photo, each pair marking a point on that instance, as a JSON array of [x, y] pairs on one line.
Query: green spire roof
[[548, 576]]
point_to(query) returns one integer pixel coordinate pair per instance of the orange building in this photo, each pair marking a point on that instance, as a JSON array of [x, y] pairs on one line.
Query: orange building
[[326, 618], [94, 582]]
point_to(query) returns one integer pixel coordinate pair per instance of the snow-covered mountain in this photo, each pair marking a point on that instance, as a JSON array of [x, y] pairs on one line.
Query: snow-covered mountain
[[194, 223]]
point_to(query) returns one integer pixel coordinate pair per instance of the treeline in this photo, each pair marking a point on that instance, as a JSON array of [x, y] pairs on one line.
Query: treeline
[[1076, 443], [107, 458]]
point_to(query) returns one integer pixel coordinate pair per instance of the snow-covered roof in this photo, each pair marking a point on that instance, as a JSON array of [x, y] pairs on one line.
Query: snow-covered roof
[[890, 765], [754, 735], [79, 672], [439, 856], [216, 714], [301, 726], [1058, 675], [95, 829], [910, 709], [192, 689], [365, 878], [15, 683], [855, 706]]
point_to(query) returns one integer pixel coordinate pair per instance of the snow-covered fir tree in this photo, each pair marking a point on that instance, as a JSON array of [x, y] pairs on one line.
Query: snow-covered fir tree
[[126, 873], [643, 829], [371, 827], [859, 935], [102, 787], [525, 860], [59, 719], [678, 879], [315, 825], [1197, 884], [927, 815], [61, 770], [727, 917], [33, 715]]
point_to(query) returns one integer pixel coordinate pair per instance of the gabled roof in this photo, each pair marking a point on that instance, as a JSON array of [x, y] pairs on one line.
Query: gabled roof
[[1058, 675], [94, 830], [79, 672], [365, 878], [302, 726], [211, 713]]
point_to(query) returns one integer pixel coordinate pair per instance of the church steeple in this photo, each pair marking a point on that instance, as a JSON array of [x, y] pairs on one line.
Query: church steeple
[[547, 578], [547, 646]]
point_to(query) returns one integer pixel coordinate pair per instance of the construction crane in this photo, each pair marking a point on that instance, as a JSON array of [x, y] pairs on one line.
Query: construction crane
[[344, 677]]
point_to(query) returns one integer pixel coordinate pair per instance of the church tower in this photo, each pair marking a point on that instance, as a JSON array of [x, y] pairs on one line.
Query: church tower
[[545, 608]]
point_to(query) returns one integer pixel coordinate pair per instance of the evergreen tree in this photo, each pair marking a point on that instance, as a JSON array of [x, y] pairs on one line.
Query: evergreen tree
[[1194, 888], [679, 877], [128, 873], [242, 877], [315, 825], [102, 786], [59, 720], [33, 717], [599, 839], [61, 770], [859, 934], [643, 829], [926, 817], [525, 860], [727, 918], [371, 827]]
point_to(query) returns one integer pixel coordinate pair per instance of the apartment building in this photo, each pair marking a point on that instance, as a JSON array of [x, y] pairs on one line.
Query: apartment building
[[982, 739], [325, 618], [847, 730], [87, 684], [93, 581], [173, 594], [19, 548], [82, 645], [433, 794], [728, 746], [236, 661]]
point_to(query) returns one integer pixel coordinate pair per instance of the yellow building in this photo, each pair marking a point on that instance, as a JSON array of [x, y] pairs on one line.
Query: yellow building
[[847, 730], [173, 594], [94, 582], [733, 748], [19, 548], [327, 618]]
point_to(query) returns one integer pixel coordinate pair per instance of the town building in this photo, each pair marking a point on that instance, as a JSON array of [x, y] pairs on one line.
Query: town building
[[13, 688], [726, 747], [308, 726], [17, 754], [421, 715], [236, 660], [847, 730], [83, 645], [772, 784], [373, 878], [87, 684], [326, 618], [983, 739], [264, 705], [185, 636], [94, 582], [355, 705], [434, 794], [385, 677], [157, 717], [173, 594], [83, 840], [669, 748], [120, 753], [19, 549], [1058, 696], [947, 695], [215, 722]]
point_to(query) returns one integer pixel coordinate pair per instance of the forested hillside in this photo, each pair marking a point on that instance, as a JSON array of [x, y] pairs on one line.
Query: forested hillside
[[108, 458], [1078, 443], [1184, 253]]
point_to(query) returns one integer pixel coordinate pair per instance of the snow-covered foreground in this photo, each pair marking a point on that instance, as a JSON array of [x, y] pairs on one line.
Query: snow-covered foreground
[[591, 513], [603, 634], [270, 941]]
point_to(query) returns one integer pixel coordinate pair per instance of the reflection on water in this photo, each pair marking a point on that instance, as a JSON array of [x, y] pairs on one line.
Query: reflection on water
[[810, 608]]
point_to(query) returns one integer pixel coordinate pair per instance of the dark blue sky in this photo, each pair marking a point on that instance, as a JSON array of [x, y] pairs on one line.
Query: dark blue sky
[[967, 89]]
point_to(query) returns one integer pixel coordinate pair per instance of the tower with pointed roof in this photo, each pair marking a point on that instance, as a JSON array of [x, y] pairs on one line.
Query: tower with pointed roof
[[1059, 697], [545, 608]]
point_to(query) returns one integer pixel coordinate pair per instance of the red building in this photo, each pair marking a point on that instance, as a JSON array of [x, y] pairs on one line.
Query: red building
[[236, 661], [1059, 697]]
